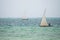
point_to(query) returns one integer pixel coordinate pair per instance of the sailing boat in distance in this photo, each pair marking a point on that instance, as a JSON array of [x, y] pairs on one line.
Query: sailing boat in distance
[[44, 21], [24, 16]]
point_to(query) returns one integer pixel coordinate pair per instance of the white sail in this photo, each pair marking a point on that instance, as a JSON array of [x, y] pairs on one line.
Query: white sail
[[44, 22]]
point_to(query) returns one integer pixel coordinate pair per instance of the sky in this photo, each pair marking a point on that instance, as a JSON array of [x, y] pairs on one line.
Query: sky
[[29, 8]]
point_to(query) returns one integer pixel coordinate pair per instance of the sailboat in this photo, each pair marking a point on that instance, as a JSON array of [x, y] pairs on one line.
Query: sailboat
[[24, 16], [44, 21]]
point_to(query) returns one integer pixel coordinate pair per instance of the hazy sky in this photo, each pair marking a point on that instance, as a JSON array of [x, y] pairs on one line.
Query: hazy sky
[[30, 8]]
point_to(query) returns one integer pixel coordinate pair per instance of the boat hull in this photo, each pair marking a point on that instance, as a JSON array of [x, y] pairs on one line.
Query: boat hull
[[49, 25]]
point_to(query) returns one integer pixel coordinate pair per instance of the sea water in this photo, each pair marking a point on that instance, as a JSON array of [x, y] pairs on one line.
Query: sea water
[[19, 29]]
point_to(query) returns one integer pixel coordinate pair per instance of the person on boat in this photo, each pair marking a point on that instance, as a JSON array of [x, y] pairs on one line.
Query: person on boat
[[49, 24]]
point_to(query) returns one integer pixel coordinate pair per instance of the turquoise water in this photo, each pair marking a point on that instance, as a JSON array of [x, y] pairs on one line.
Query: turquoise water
[[18, 29]]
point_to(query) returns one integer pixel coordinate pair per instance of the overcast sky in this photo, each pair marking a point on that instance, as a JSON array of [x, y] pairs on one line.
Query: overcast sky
[[29, 8]]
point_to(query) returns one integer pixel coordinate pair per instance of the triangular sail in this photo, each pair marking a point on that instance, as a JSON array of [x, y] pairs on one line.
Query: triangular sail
[[44, 22]]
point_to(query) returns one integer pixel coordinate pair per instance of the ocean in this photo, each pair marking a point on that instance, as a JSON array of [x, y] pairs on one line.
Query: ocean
[[19, 29]]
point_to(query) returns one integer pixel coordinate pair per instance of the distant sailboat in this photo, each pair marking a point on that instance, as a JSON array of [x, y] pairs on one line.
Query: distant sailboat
[[44, 21], [24, 17]]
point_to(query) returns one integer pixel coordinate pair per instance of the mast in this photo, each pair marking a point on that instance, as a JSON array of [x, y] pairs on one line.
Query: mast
[[44, 12]]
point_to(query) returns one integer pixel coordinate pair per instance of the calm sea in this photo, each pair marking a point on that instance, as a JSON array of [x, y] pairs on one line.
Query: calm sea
[[19, 29]]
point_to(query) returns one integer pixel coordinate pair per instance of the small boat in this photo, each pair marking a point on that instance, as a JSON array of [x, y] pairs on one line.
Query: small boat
[[24, 16], [44, 21]]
